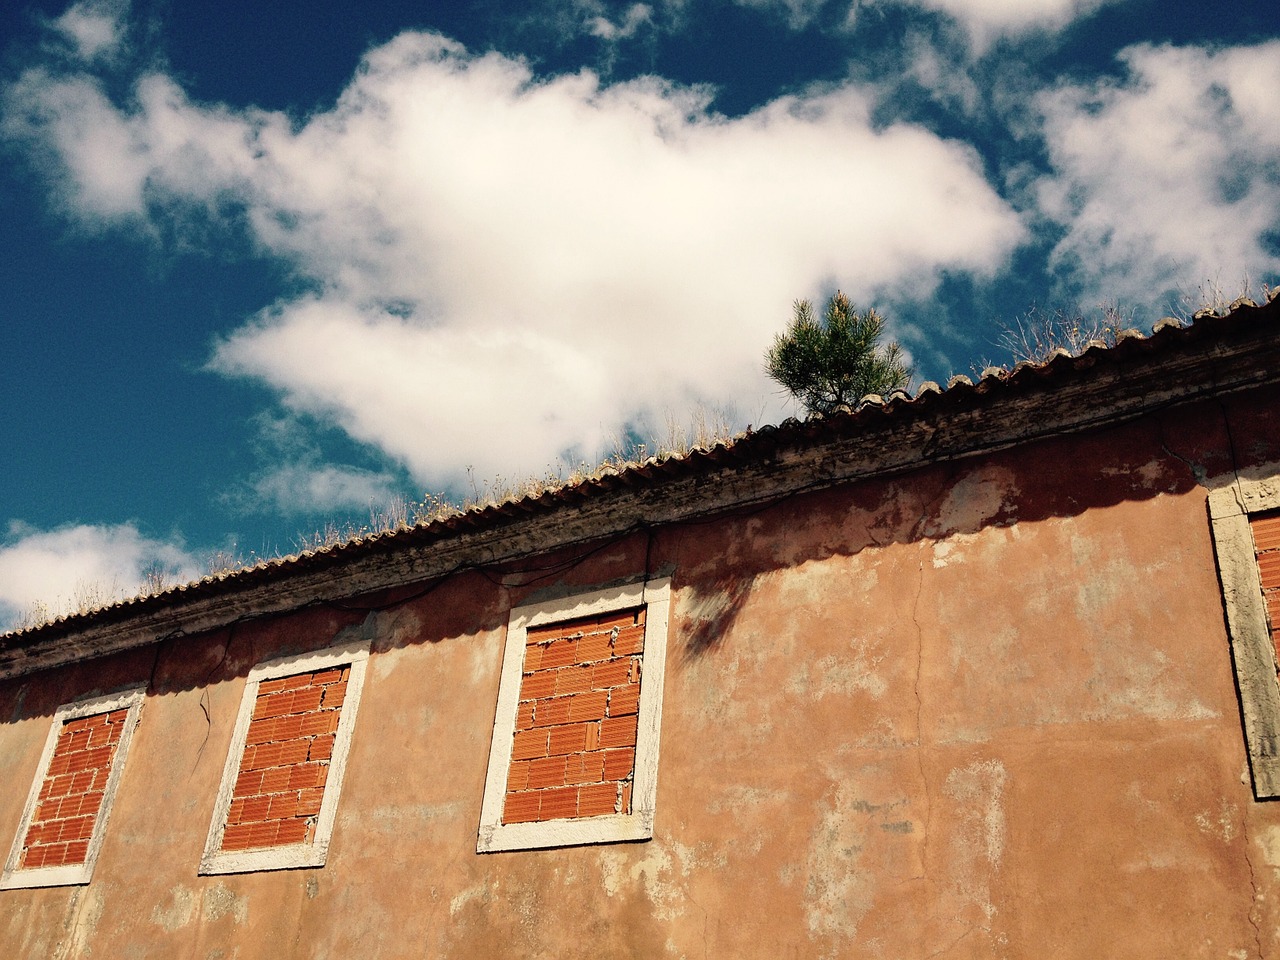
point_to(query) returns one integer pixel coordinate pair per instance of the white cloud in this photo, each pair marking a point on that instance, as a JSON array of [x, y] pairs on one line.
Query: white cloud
[[315, 488], [987, 19], [63, 570], [512, 267], [1172, 177], [636, 16], [94, 28]]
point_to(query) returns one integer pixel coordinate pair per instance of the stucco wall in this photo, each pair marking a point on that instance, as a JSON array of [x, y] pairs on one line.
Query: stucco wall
[[980, 710]]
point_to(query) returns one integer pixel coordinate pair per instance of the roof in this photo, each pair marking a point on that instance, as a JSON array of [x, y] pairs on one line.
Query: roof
[[1214, 355]]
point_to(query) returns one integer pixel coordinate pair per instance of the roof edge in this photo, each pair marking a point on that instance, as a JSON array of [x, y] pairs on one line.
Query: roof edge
[[1214, 356]]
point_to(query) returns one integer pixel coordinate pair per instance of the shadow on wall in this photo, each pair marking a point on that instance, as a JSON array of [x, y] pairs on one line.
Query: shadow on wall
[[1167, 454], [717, 560]]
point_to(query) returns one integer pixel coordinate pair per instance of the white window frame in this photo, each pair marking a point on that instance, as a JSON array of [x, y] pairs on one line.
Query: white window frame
[[80, 873], [354, 654], [655, 596], [1252, 649]]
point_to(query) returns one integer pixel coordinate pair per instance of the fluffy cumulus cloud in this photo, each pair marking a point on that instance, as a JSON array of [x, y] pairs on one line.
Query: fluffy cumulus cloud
[[508, 268], [1171, 177], [55, 572]]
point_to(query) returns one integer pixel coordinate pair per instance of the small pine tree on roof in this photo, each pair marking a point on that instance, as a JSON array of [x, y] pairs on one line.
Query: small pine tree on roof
[[836, 360]]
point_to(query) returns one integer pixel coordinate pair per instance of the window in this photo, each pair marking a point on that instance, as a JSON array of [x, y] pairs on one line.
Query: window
[[574, 756], [1245, 519], [279, 793], [65, 819]]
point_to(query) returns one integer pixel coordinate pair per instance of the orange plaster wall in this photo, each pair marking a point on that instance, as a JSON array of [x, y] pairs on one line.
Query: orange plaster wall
[[982, 710]]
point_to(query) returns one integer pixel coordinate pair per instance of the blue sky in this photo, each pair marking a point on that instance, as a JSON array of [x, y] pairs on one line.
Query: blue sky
[[266, 265]]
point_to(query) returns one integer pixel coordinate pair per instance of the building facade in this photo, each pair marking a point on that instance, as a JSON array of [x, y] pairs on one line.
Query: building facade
[[984, 672]]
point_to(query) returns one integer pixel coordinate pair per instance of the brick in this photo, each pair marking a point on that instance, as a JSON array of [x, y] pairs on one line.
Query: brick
[[260, 757], [549, 713], [518, 775], [33, 857], [236, 837], [274, 728], [103, 736], [99, 780], [321, 748], [283, 806], [629, 641], [322, 677], [62, 786], [619, 764], [77, 852], [618, 732], [521, 807], [41, 833], [304, 701], [55, 855], [316, 724], [48, 810], [306, 775], [235, 813], [60, 765], [294, 751], [544, 635], [79, 828], [532, 658], [559, 804], [547, 772], [69, 742], [84, 723], [254, 809], [624, 798], [276, 780], [293, 831], [587, 706], [90, 803], [1269, 567], [278, 705], [584, 768], [562, 653], [263, 834], [573, 680], [1266, 531], [309, 801], [624, 700], [524, 715], [571, 738], [594, 647], [83, 781], [247, 783], [597, 799], [90, 759], [611, 673], [535, 686], [529, 744], [334, 696]]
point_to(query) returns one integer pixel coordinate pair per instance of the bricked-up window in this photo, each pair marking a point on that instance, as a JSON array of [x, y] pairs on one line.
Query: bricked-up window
[[65, 819], [1266, 544], [279, 795], [574, 755], [1245, 520]]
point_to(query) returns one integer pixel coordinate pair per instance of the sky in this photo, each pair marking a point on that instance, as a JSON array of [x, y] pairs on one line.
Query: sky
[[268, 267]]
